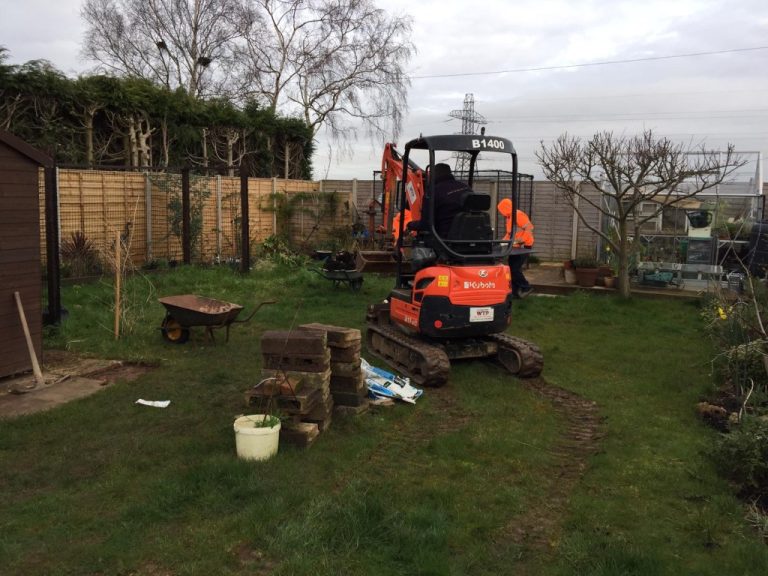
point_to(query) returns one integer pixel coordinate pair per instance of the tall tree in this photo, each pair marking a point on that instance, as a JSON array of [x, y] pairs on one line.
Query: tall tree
[[628, 172], [175, 43], [327, 61]]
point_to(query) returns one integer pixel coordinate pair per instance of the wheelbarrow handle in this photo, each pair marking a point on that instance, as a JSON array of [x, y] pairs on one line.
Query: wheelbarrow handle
[[254, 311]]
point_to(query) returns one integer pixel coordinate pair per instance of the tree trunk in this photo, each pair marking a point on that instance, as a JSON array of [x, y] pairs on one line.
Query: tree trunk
[[142, 140], [205, 147], [166, 151], [89, 139], [133, 152], [287, 159], [231, 139], [623, 287]]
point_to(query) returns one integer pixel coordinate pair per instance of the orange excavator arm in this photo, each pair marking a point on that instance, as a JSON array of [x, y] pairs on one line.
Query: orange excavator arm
[[392, 173]]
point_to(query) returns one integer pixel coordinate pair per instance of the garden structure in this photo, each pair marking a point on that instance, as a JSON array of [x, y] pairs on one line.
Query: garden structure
[[20, 260]]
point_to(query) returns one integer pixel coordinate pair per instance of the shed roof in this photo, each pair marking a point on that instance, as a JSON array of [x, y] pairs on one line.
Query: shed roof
[[25, 149]]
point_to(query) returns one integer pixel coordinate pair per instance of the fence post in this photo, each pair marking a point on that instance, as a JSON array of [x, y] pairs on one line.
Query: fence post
[[353, 202], [575, 229], [52, 244], [274, 206], [218, 218], [148, 215], [245, 228], [185, 222]]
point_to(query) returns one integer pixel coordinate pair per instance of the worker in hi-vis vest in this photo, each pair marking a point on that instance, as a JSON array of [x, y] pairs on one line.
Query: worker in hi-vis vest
[[523, 239]]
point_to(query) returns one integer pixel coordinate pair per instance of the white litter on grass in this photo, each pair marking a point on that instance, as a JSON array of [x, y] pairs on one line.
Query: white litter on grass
[[383, 384], [155, 403]]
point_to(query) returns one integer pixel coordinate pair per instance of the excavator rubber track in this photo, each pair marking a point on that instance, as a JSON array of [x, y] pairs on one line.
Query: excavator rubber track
[[520, 357], [423, 363]]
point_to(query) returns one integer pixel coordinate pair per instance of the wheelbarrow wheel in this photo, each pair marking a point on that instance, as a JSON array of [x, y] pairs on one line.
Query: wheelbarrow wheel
[[173, 331], [356, 284]]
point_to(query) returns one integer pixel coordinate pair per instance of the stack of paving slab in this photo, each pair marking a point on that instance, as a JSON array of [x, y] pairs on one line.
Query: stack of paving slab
[[348, 387], [295, 379]]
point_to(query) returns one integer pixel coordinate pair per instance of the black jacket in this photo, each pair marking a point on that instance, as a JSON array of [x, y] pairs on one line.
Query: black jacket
[[449, 201]]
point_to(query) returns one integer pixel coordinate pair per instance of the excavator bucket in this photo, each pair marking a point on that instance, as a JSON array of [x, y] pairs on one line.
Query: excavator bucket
[[380, 261]]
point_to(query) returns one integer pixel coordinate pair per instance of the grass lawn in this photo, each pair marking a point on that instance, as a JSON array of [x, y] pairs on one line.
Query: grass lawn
[[105, 486]]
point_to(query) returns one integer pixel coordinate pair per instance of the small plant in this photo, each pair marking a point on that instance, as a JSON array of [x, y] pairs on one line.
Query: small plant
[[742, 457], [268, 414], [277, 250], [79, 256], [758, 518], [585, 262], [264, 420]]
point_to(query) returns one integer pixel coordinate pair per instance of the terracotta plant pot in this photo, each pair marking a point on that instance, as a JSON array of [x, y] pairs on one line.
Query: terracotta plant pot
[[586, 277], [609, 281], [602, 272]]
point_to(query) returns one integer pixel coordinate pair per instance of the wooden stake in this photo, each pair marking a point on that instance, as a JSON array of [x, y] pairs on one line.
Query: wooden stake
[[31, 347], [118, 276]]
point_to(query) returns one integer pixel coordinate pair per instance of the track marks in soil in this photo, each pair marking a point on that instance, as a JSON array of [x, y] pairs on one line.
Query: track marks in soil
[[538, 529]]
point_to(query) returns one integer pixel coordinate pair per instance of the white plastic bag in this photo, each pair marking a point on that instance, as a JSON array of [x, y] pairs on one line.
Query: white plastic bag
[[383, 384]]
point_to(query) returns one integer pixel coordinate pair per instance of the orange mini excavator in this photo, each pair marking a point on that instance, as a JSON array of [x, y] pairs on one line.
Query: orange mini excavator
[[452, 298]]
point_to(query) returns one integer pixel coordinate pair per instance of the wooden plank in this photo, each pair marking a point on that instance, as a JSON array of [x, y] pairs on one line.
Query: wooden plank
[[19, 255]]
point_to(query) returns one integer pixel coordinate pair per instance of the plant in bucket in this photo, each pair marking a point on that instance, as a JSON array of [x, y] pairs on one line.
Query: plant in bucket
[[613, 264], [257, 436], [569, 272]]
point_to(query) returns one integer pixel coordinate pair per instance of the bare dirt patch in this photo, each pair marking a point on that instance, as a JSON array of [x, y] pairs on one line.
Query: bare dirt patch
[[67, 377]]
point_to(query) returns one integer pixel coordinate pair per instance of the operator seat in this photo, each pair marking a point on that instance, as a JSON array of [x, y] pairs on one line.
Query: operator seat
[[472, 223]]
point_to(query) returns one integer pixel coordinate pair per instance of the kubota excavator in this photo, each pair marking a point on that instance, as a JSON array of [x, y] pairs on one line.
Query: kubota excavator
[[452, 298]]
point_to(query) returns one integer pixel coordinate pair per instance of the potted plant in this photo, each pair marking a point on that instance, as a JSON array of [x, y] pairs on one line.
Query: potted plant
[[586, 271], [257, 436], [569, 272]]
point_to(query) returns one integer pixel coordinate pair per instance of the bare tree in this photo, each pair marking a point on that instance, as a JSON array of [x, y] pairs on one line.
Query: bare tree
[[628, 171], [176, 43], [329, 61]]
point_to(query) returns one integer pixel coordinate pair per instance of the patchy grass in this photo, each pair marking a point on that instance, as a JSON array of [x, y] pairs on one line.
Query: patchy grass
[[103, 486]]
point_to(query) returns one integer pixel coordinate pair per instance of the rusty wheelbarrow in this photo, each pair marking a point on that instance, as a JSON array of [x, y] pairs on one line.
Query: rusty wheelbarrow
[[187, 310]]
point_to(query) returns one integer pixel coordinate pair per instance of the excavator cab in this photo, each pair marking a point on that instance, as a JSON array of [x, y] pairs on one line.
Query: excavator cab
[[452, 297], [470, 237]]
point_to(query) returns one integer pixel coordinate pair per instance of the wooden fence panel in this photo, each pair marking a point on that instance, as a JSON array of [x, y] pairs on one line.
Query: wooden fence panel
[[101, 203]]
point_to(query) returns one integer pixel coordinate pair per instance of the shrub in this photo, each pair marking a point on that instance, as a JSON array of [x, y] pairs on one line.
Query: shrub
[[742, 457], [276, 249], [585, 262], [79, 256]]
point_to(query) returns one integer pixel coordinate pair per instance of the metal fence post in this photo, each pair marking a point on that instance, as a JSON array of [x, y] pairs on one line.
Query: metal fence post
[[148, 213], [186, 243], [274, 206], [52, 244], [218, 218], [245, 243]]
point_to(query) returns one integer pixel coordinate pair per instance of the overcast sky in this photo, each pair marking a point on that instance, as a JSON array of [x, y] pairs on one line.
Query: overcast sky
[[710, 98]]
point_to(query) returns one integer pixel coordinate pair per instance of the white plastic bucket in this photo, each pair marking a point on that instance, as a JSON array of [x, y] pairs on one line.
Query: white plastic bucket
[[253, 441]]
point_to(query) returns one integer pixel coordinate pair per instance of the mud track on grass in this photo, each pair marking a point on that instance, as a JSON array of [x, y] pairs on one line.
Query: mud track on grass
[[538, 530]]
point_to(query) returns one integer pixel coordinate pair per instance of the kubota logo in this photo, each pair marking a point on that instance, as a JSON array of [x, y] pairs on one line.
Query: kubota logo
[[483, 273], [479, 285]]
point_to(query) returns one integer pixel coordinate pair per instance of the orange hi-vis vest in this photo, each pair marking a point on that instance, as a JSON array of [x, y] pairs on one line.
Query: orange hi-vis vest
[[396, 224], [523, 224]]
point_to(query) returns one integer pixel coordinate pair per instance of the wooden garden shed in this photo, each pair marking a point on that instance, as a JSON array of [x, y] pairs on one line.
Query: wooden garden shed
[[20, 268]]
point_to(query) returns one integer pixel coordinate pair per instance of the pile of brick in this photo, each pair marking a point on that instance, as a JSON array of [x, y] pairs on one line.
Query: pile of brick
[[348, 387], [295, 381], [305, 373]]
